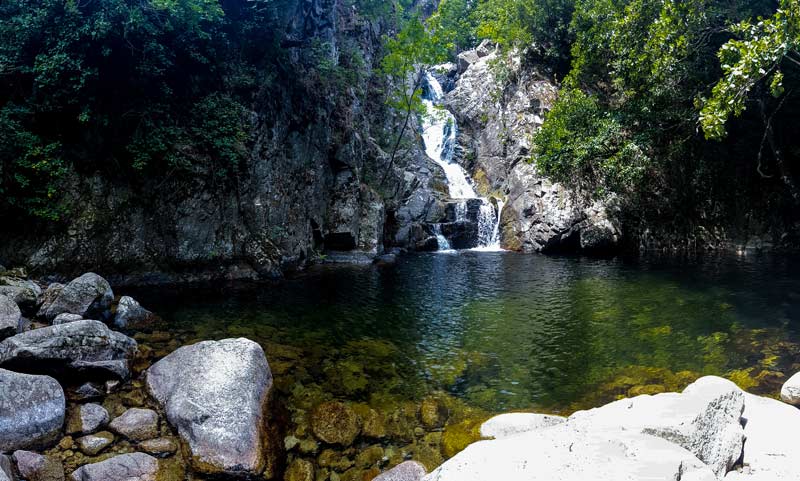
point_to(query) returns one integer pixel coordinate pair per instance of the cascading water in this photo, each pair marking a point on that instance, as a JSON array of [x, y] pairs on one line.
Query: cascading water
[[439, 134]]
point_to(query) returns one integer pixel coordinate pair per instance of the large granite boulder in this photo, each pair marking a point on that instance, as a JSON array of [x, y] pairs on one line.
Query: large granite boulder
[[706, 419], [89, 296], [560, 453], [79, 348], [9, 317], [215, 394], [32, 410], [125, 467], [24, 292]]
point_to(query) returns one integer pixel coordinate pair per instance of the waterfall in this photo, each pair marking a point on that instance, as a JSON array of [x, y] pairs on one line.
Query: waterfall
[[439, 132]]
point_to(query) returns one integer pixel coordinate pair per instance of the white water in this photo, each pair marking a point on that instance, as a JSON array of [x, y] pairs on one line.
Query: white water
[[439, 134]]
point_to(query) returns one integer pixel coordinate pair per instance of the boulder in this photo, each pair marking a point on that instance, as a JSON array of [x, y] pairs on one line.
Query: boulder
[[49, 295], [511, 424], [36, 467], [78, 348], [335, 423], [136, 424], [9, 317], [790, 392], [24, 292], [560, 453], [705, 419], [93, 444], [31, 411], [86, 418], [130, 314], [6, 471], [66, 317], [215, 394], [89, 296], [125, 467], [405, 471]]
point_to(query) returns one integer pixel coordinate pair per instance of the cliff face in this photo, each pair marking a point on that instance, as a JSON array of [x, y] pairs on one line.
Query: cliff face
[[313, 182], [499, 104]]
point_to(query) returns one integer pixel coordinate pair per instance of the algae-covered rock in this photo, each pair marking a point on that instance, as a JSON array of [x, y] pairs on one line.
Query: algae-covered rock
[[369, 456], [432, 412], [456, 437], [372, 422], [36, 467], [299, 470], [335, 423]]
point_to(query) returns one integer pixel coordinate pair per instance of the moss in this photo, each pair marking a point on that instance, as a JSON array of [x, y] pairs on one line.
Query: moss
[[742, 378], [456, 437]]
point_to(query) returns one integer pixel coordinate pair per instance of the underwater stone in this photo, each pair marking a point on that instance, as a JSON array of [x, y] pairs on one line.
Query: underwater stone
[[299, 470], [136, 424], [94, 443], [335, 423], [159, 446], [405, 471]]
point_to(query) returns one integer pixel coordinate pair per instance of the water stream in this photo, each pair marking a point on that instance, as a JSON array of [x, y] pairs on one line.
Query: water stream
[[439, 134]]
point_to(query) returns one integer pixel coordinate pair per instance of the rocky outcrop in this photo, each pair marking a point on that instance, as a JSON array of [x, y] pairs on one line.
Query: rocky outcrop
[[9, 317], [125, 467], [215, 394], [82, 348], [499, 104], [32, 410], [89, 296]]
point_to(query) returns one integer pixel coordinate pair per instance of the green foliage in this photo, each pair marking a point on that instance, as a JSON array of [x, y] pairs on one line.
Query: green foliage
[[753, 58], [127, 88], [581, 138]]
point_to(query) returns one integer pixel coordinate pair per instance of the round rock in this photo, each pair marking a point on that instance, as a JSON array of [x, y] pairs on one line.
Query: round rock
[[32, 411], [125, 467], [335, 423], [36, 467], [790, 392], [92, 444], [136, 424]]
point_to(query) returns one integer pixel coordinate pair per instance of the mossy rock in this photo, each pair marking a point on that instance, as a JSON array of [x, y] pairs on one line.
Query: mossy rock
[[372, 422], [456, 437], [335, 423], [299, 470]]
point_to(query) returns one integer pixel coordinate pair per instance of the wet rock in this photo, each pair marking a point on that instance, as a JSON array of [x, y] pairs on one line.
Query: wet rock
[[49, 295], [9, 317], [299, 470], [335, 423], [89, 296], [131, 315], [32, 410], [86, 392], [372, 422], [405, 471], [66, 318], [159, 446], [86, 419], [337, 461], [215, 394], [36, 467], [369, 456], [705, 419], [790, 391], [93, 444], [505, 425], [125, 467], [136, 424], [78, 348]]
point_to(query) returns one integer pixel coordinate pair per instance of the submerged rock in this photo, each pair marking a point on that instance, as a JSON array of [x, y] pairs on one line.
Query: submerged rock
[[36, 467], [790, 391], [84, 347], [130, 314], [299, 470], [125, 467], [405, 471], [215, 394], [511, 424], [335, 423], [159, 446], [9, 317], [89, 296], [136, 424], [32, 410], [93, 444]]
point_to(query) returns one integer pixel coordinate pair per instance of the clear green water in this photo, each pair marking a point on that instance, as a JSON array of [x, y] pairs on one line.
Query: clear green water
[[504, 331]]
